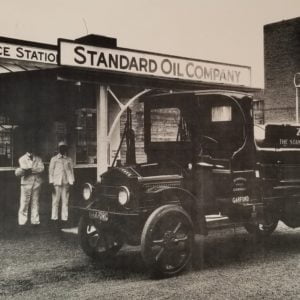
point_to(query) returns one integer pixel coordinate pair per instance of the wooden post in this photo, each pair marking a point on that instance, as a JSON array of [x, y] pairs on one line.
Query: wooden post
[[102, 127]]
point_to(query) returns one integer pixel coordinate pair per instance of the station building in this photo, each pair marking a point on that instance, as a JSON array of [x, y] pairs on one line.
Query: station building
[[282, 64], [78, 91]]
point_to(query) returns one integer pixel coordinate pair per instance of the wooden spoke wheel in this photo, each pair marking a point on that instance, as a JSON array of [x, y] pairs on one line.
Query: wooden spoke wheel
[[167, 240], [98, 242]]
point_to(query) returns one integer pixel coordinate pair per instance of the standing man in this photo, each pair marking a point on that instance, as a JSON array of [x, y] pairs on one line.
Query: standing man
[[30, 170], [61, 175]]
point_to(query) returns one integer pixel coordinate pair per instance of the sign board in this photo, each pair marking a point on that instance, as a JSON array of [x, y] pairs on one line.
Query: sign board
[[28, 53], [151, 64]]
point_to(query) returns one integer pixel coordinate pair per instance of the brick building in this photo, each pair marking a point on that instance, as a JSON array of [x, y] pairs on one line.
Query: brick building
[[281, 61]]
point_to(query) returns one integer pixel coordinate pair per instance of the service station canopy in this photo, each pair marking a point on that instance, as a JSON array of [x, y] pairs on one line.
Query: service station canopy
[[109, 64]]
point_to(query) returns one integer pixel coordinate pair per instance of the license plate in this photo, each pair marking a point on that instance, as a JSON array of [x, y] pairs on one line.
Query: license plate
[[99, 215], [240, 199]]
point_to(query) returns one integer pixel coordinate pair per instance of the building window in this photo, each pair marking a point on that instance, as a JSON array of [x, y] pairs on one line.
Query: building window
[[6, 141], [258, 111], [86, 139]]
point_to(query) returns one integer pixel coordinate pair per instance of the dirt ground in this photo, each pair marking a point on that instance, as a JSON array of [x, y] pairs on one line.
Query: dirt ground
[[46, 265]]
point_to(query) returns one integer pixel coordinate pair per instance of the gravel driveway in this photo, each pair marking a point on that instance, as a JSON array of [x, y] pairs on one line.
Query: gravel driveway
[[45, 265]]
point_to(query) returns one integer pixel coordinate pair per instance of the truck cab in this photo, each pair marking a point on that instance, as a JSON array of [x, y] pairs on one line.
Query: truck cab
[[211, 139]]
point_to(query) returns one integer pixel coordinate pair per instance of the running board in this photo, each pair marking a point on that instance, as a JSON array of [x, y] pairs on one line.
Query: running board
[[218, 222]]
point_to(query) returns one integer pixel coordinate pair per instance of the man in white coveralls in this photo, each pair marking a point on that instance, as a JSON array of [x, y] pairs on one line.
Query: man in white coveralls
[[30, 170], [61, 175]]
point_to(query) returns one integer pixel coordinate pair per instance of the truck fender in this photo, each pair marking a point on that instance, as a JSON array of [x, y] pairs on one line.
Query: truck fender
[[180, 196]]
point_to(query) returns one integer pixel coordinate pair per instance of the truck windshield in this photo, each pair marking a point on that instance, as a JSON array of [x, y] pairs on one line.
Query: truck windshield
[[168, 125], [179, 124]]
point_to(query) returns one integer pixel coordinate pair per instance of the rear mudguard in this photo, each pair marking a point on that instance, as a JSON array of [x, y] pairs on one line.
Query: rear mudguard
[[180, 196]]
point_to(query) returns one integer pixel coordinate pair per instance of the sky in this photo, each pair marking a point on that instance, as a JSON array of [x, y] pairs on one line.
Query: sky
[[229, 31]]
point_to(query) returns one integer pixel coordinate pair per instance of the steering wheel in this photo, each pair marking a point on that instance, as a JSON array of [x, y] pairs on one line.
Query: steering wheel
[[209, 139], [205, 139]]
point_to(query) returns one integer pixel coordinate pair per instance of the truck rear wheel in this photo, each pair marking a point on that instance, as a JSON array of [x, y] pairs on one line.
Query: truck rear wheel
[[97, 242], [263, 229], [167, 240]]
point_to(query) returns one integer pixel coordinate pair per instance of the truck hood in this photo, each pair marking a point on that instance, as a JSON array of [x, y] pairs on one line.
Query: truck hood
[[140, 172]]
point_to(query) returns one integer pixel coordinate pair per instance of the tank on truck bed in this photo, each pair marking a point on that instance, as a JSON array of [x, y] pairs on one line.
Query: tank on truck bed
[[278, 158]]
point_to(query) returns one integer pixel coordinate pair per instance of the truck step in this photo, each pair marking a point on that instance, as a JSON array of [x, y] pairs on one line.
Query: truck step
[[218, 222]]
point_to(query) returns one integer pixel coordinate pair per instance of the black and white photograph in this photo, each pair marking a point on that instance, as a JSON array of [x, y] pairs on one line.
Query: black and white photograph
[[150, 149]]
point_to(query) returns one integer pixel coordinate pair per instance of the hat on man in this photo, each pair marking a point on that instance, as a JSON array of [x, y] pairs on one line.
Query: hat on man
[[62, 143]]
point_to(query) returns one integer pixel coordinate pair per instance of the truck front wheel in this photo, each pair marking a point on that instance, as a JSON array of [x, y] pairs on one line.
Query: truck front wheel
[[167, 240]]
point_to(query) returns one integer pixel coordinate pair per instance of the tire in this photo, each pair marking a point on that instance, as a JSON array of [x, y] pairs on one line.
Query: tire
[[98, 242], [167, 240], [262, 230]]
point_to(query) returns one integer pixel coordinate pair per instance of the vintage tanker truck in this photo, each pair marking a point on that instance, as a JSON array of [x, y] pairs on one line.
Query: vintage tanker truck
[[205, 160]]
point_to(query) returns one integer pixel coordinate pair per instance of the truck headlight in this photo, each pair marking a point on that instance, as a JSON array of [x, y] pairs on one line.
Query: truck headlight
[[87, 191], [124, 195]]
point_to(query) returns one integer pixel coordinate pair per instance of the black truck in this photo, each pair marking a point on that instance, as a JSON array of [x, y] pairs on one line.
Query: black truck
[[205, 160]]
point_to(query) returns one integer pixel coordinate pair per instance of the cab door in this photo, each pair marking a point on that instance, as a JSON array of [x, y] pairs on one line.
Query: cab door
[[222, 136]]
